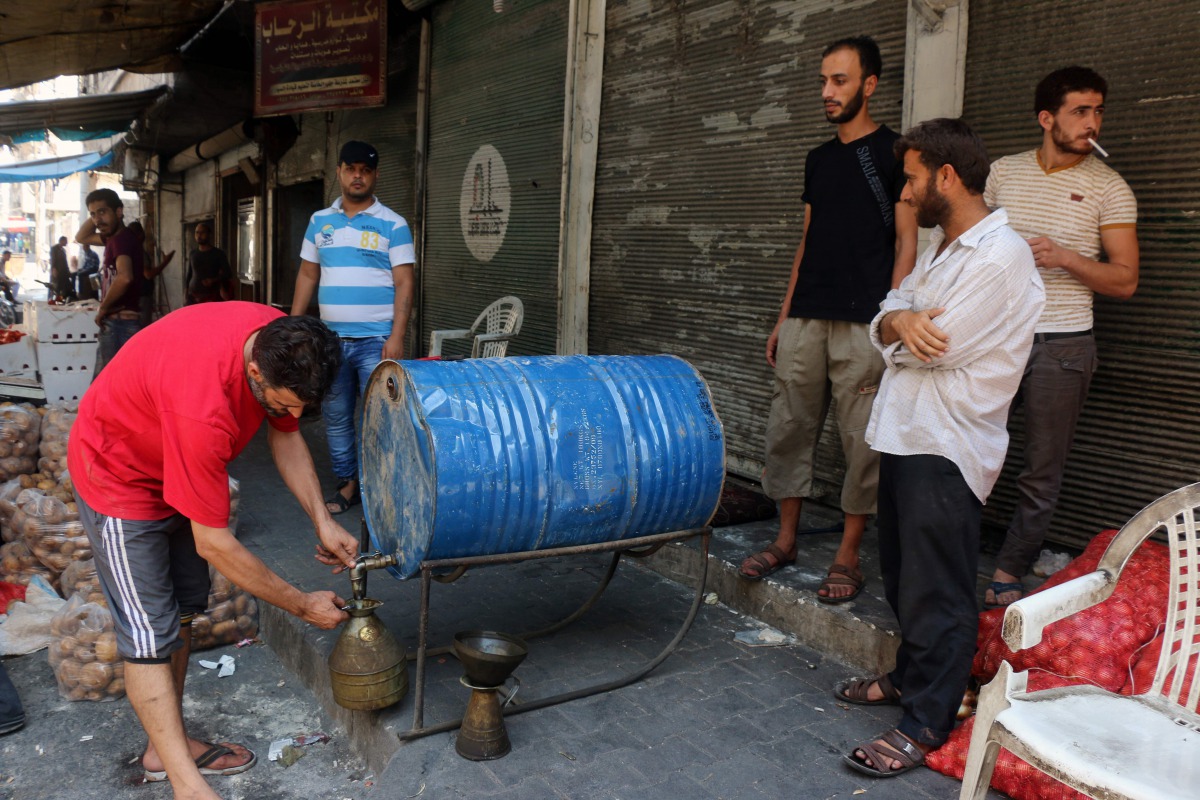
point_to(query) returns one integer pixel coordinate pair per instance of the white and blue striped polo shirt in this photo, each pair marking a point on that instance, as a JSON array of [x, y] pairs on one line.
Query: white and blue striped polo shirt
[[356, 255]]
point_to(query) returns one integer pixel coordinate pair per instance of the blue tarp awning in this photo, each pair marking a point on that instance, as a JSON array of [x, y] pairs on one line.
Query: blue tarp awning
[[48, 168]]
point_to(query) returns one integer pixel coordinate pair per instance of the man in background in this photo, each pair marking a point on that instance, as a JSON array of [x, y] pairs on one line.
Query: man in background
[[60, 271], [209, 278], [121, 275], [1071, 207], [955, 336], [360, 254], [858, 242]]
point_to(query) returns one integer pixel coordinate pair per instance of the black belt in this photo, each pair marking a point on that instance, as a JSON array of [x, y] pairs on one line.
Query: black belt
[[1048, 337]]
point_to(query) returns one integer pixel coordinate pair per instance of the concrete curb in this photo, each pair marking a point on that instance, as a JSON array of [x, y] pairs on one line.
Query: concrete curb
[[835, 630]]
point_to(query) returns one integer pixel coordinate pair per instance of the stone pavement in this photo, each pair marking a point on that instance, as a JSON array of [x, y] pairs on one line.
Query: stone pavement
[[718, 719], [50, 759]]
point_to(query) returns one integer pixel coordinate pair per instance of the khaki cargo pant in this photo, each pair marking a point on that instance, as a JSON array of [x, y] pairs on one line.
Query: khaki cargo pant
[[817, 361]]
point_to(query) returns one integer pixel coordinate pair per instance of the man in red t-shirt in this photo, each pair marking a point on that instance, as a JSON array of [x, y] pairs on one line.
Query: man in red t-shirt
[[149, 454]]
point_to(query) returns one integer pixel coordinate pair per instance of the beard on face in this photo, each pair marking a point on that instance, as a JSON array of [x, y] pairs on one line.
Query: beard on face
[[259, 390], [849, 111], [1066, 144], [932, 207]]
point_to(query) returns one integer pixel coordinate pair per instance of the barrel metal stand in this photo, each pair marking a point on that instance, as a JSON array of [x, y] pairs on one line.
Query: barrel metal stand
[[636, 548]]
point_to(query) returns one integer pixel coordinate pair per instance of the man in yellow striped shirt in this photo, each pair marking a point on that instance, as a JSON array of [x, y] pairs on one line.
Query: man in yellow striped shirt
[[1071, 207]]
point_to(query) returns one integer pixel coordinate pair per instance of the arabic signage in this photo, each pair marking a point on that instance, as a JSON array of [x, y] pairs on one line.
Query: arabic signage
[[319, 54]]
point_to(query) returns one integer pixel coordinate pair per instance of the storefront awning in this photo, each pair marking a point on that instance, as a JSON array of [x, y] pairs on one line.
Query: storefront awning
[[75, 37], [48, 168], [75, 118]]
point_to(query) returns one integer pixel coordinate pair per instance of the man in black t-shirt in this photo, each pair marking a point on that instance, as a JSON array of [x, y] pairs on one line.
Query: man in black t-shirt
[[210, 277], [859, 242]]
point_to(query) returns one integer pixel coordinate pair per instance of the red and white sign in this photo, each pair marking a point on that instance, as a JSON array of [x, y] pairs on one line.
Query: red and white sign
[[319, 54]]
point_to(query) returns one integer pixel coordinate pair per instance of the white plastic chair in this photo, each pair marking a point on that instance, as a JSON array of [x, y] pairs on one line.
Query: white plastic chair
[[500, 323], [1105, 745]]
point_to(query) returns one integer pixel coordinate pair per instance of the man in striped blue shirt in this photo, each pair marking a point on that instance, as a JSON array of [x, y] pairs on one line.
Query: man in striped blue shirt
[[358, 255]]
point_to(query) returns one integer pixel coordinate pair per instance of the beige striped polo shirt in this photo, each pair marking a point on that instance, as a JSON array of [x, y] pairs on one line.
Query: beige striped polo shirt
[[1071, 205]]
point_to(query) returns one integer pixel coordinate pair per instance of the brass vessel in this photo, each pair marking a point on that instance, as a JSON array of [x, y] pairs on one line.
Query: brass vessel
[[488, 658], [367, 668]]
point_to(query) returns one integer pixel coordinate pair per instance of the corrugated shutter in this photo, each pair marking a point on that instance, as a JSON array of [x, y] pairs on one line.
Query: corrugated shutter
[[708, 112], [391, 129], [497, 79], [1139, 436]]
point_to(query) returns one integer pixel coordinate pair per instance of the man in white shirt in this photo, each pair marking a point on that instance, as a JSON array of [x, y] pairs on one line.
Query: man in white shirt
[[955, 337]]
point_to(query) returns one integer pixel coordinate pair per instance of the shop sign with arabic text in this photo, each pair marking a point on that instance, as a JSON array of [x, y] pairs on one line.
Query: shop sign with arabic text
[[319, 54]]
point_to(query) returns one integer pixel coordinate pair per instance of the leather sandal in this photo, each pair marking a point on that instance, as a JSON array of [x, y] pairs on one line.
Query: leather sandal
[[876, 759], [341, 501], [758, 566], [855, 691], [841, 575]]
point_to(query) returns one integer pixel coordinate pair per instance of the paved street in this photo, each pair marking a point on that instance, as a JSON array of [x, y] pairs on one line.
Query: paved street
[[718, 719]]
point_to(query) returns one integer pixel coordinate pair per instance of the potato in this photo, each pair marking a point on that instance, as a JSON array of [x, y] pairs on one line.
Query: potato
[[106, 647], [95, 675], [223, 631], [221, 612], [68, 673], [201, 626]]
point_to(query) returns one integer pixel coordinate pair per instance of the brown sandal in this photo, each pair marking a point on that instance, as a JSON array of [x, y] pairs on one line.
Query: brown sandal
[[855, 691], [876, 759], [841, 575], [758, 566]]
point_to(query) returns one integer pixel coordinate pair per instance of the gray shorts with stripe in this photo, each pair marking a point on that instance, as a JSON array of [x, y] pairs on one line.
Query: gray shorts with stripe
[[153, 579]]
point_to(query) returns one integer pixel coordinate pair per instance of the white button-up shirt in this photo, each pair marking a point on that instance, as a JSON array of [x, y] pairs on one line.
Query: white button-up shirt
[[957, 405]]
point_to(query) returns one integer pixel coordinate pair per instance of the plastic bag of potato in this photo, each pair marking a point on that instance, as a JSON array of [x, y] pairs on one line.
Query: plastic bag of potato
[[9, 491], [51, 529], [56, 427], [232, 615], [18, 564], [83, 652], [80, 578], [20, 435]]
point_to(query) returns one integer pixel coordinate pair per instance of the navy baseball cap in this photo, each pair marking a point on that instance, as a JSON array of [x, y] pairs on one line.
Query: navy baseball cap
[[359, 153]]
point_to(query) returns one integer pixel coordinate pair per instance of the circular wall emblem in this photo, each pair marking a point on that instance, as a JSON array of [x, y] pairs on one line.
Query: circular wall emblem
[[484, 203]]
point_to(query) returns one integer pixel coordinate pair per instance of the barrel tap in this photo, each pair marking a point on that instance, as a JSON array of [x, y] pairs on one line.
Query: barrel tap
[[362, 564]]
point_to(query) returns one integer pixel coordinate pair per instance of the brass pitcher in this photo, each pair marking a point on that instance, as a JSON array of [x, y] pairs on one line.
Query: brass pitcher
[[367, 667], [488, 659]]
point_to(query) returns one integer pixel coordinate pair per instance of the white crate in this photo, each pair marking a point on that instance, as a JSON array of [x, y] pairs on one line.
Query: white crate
[[66, 386], [62, 324], [78, 357], [19, 356]]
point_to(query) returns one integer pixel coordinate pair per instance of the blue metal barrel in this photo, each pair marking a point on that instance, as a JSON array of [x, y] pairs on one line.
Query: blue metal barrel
[[504, 455]]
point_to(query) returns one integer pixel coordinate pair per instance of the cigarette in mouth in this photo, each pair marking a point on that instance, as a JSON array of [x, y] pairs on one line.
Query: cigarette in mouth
[[1096, 145]]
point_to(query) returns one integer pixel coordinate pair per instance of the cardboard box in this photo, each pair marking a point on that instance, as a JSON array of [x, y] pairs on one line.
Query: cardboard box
[[67, 324], [19, 356]]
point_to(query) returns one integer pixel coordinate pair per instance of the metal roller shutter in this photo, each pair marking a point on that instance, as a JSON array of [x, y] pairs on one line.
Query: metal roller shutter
[[495, 165], [1139, 436], [708, 112], [391, 129]]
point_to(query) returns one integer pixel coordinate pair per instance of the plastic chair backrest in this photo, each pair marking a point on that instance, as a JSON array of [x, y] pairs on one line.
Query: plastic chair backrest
[[502, 317]]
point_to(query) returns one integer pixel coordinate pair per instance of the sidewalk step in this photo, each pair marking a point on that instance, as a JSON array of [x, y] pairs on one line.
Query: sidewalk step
[[862, 633]]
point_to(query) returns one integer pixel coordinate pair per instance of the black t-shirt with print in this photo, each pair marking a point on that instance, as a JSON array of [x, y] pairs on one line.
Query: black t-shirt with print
[[852, 189]]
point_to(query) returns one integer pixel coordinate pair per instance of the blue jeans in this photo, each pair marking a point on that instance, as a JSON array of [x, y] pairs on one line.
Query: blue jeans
[[359, 357], [112, 338]]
